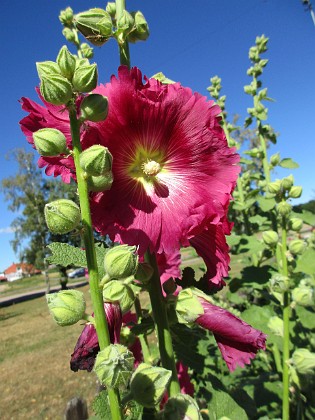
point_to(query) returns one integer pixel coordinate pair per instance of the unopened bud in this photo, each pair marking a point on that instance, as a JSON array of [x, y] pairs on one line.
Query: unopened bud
[[62, 216], [100, 183], [85, 78], [295, 224], [80, 62], [113, 366], [69, 35], [275, 159], [274, 187], [56, 89], [141, 28], [125, 22], [111, 8], [303, 295], [67, 307], [188, 307], [47, 68], [284, 208], [182, 406], [297, 246], [121, 262], [86, 50], [96, 160], [270, 238], [287, 182], [66, 62], [144, 273], [66, 16], [304, 361], [94, 107], [148, 384], [95, 25], [115, 291], [50, 142], [295, 192]]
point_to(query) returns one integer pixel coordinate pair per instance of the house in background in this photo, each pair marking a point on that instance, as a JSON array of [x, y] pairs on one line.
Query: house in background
[[20, 270]]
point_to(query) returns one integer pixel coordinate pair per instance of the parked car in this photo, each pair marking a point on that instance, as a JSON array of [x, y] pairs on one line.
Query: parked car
[[78, 272]]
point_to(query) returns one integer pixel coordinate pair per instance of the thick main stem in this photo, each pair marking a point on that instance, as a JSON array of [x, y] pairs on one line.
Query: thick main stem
[[101, 325], [123, 44], [162, 325], [286, 331]]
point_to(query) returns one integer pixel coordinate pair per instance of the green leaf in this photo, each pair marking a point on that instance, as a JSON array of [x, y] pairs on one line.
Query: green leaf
[[250, 244], [306, 317], [266, 204], [101, 406], [65, 255], [223, 405], [288, 163], [233, 240], [307, 217], [258, 220], [306, 262]]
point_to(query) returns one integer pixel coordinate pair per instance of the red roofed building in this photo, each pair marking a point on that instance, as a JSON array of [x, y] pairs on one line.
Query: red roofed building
[[20, 270]]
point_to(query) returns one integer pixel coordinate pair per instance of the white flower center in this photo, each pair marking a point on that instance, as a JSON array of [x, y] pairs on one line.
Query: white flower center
[[151, 168]]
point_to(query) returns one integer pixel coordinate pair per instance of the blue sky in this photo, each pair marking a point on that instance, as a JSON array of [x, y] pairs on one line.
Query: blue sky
[[190, 42]]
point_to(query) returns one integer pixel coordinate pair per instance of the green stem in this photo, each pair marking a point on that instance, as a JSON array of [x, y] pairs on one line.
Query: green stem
[[286, 331], [123, 44], [143, 337], [163, 329], [101, 325], [265, 158], [277, 357]]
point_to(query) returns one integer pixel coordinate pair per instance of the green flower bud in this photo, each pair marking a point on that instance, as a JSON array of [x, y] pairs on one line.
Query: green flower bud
[[287, 182], [86, 50], [275, 159], [295, 224], [121, 262], [67, 307], [94, 107], [62, 216], [304, 361], [297, 246], [275, 324], [85, 78], [188, 307], [148, 384], [111, 8], [274, 187], [66, 62], [66, 16], [303, 295], [69, 35], [114, 365], [50, 142], [279, 283], [115, 291], [284, 208], [295, 192], [144, 273], [141, 28], [181, 406], [96, 160], [56, 89], [270, 238], [47, 68], [95, 25], [162, 78], [125, 23], [80, 62], [100, 183]]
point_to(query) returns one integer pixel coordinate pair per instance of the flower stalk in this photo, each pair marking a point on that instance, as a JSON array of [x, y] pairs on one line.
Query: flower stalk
[[123, 44], [286, 325], [162, 325], [101, 325]]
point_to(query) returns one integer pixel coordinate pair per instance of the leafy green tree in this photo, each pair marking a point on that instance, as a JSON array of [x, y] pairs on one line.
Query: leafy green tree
[[27, 193]]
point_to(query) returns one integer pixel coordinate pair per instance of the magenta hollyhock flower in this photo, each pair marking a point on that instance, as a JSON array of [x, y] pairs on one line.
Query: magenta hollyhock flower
[[173, 170], [87, 346], [186, 386], [237, 341]]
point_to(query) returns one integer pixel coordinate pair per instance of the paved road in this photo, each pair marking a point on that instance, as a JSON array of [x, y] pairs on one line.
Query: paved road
[[33, 294]]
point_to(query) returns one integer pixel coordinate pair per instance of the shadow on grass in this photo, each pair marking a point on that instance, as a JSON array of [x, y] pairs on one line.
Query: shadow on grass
[[4, 317]]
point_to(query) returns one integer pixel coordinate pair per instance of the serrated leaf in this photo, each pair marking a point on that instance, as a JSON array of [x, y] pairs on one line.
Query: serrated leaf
[[306, 262], [288, 163], [101, 406], [65, 255]]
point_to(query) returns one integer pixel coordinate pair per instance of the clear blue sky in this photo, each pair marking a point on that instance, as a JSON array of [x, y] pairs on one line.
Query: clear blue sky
[[190, 42]]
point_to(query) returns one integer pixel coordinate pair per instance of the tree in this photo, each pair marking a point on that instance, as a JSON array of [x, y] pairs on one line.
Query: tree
[[28, 192]]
